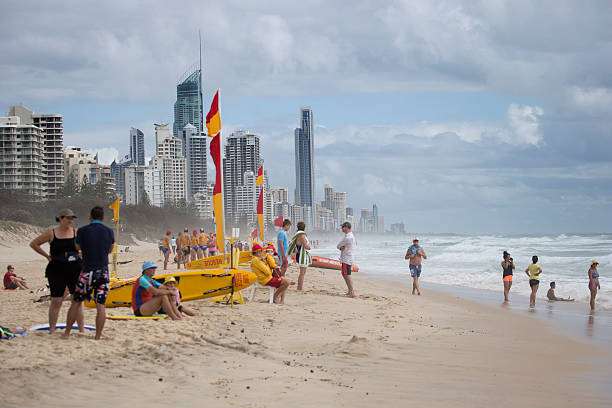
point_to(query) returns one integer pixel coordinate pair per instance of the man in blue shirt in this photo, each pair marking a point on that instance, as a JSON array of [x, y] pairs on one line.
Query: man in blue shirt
[[95, 241], [282, 244]]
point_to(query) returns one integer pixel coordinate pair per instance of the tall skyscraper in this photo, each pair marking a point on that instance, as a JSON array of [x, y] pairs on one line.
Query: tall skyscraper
[[53, 156], [21, 157], [118, 174], [304, 160], [188, 105], [137, 149], [241, 156], [170, 162], [194, 150], [375, 218]]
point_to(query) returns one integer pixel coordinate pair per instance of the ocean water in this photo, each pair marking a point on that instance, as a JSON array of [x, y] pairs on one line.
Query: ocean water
[[474, 261]]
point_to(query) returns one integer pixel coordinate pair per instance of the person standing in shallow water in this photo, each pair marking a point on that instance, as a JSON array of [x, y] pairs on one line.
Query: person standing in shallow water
[[533, 271], [593, 282], [507, 267]]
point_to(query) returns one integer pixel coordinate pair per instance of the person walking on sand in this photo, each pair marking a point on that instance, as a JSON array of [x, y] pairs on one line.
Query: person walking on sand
[[533, 271], [64, 265], [13, 281], [508, 268], [166, 248], [283, 246], [346, 256], [416, 254], [301, 247], [173, 245], [593, 282], [185, 248], [95, 241]]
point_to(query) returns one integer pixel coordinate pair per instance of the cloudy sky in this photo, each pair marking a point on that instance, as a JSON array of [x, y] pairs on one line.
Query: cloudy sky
[[471, 117]]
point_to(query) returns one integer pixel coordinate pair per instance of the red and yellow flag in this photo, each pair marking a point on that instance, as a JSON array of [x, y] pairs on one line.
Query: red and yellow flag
[[213, 119], [260, 217], [213, 124], [115, 207], [259, 180]]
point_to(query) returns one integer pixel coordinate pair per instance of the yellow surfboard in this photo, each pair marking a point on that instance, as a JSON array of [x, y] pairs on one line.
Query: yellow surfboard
[[192, 285]]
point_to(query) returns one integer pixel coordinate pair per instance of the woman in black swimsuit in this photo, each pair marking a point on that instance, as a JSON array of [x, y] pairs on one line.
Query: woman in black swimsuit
[[507, 267], [64, 264]]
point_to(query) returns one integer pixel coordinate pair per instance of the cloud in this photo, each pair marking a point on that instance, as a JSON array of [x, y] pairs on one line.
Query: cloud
[[523, 125]]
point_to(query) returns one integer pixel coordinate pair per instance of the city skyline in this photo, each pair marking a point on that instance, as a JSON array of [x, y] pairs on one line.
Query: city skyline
[[451, 116]]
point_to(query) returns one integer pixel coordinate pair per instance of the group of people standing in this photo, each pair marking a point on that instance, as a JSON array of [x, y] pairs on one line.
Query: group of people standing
[[533, 271], [78, 265], [270, 274], [188, 247]]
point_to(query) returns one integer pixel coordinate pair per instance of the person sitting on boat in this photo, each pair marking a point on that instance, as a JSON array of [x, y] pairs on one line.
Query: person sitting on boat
[[170, 283], [261, 268], [148, 295]]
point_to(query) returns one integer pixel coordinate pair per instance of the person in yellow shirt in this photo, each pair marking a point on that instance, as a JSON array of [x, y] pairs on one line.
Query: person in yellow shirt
[[533, 271], [195, 245], [261, 268], [166, 248], [202, 240], [185, 247]]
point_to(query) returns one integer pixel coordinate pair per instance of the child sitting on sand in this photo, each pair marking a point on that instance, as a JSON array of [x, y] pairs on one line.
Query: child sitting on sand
[[170, 283]]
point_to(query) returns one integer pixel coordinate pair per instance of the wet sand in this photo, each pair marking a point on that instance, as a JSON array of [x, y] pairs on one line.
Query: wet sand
[[320, 349]]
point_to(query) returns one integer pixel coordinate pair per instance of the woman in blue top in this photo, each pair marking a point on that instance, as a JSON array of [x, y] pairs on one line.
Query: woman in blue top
[[593, 282], [149, 296]]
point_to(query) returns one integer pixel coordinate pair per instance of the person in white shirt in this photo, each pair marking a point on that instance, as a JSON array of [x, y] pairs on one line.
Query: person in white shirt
[[346, 256]]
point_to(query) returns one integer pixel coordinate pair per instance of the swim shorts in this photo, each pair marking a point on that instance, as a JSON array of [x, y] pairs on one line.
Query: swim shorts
[[185, 250], [164, 250], [507, 278], [533, 282], [415, 271], [346, 269], [96, 281], [11, 286], [62, 275], [274, 282], [203, 247]]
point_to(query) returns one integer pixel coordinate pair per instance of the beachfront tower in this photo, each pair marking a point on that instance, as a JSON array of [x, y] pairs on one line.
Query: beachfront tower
[[194, 150], [241, 156], [304, 159], [188, 105], [137, 150]]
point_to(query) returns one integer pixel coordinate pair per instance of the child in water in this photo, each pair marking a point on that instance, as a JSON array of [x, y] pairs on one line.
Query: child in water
[[551, 294], [170, 283]]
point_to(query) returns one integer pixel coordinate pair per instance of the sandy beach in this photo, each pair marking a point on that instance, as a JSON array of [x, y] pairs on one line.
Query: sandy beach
[[320, 349]]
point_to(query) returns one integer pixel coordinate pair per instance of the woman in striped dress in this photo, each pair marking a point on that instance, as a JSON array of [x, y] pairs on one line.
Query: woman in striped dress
[[301, 247]]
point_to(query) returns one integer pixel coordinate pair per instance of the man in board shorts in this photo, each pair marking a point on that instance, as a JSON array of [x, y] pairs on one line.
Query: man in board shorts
[[96, 242], [346, 256], [416, 254]]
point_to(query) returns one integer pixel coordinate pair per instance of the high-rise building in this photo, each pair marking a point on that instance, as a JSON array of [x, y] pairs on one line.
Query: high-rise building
[[77, 163], [118, 174], [137, 149], [53, 157], [245, 198], [280, 195], [398, 228], [188, 105], [170, 162], [21, 157], [194, 150], [375, 218], [304, 160], [134, 184], [241, 156]]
